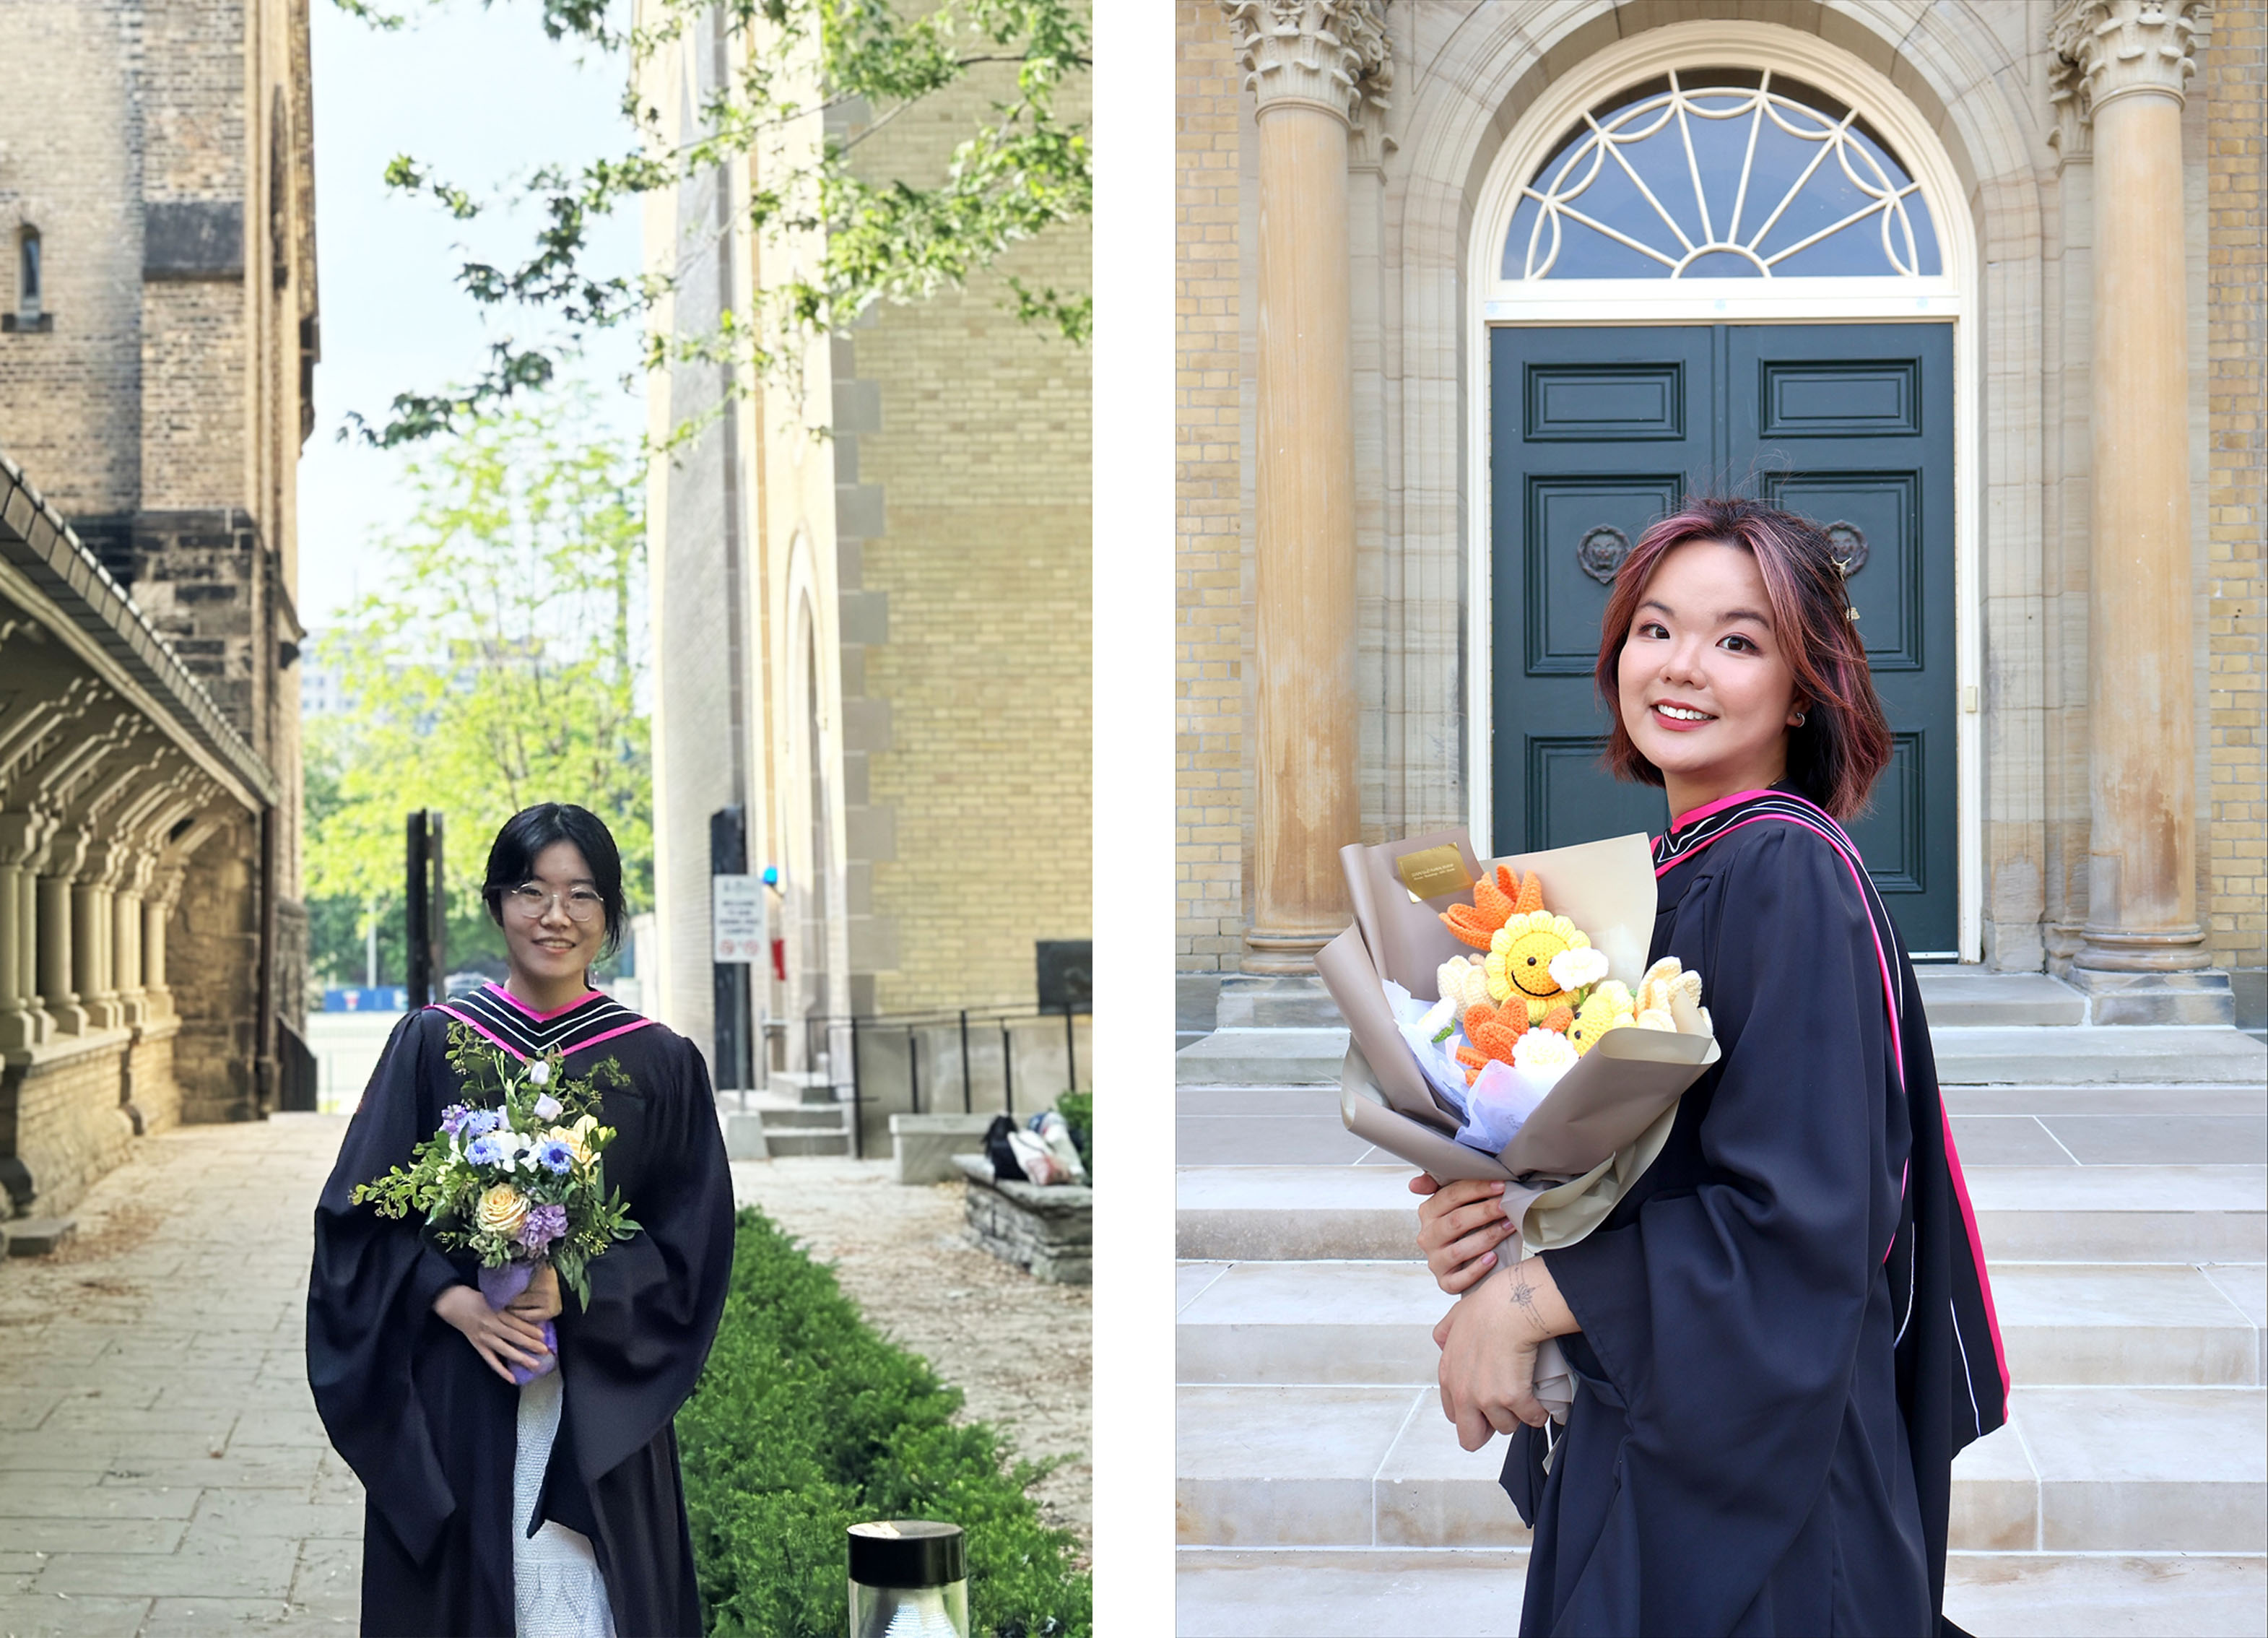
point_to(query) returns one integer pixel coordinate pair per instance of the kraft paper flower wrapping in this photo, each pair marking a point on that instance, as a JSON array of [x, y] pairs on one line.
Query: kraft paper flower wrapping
[[1608, 1105]]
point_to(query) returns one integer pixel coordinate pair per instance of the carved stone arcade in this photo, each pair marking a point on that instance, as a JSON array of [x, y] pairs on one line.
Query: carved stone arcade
[[108, 788]]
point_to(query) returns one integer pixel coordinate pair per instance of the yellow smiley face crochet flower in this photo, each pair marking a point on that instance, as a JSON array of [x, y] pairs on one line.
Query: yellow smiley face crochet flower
[[1608, 1007], [1520, 959], [503, 1208]]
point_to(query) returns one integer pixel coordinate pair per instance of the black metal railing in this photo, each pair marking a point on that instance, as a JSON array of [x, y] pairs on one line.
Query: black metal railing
[[829, 1038]]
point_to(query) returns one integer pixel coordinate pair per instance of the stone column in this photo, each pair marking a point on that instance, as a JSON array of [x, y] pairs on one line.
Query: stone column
[[93, 949], [157, 907], [1311, 65], [23, 1021], [66, 856], [126, 936], [2143, 941]]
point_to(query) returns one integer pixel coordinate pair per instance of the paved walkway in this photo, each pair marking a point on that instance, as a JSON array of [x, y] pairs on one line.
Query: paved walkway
[[162, 1470]]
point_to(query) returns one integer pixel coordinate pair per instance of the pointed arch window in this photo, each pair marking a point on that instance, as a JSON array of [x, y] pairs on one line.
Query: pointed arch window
[[1721, 173]]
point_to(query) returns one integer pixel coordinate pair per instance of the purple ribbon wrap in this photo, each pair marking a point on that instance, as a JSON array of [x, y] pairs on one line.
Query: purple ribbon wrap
[[500, 1286]]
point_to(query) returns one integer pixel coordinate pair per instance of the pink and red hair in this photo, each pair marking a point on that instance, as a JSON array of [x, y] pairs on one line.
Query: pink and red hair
[[1844, 743]]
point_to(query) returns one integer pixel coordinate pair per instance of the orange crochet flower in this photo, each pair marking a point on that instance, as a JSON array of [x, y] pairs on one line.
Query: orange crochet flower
[[1494, 902], [1494, 1034]]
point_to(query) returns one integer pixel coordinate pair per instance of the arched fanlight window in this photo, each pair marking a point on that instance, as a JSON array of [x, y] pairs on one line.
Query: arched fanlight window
[[1721, 173]]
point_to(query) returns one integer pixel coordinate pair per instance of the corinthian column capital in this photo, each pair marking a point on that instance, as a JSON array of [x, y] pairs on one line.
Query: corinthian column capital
[[1327, 53], [2115, 48]]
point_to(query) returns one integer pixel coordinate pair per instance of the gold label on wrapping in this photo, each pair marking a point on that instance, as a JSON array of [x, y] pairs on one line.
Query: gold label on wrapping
[[1434, 872]]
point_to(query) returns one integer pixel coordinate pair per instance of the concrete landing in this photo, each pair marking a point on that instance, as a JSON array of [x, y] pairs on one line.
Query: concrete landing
[[1305, 1593], [1262, 1057], [2079, 1055]]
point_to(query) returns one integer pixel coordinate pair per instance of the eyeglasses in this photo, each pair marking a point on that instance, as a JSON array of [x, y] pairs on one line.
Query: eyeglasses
[[534, 902]]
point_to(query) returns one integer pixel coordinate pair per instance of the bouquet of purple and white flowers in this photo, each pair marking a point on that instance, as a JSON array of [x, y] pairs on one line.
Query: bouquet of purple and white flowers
[[516, 1174]]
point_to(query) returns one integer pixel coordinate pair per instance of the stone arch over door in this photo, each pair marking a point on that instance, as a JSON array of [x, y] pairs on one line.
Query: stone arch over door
[[1463, 77]]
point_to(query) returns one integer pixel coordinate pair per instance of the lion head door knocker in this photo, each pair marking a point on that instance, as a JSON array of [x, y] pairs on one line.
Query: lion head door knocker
[[1848, 542], [1600, 553]]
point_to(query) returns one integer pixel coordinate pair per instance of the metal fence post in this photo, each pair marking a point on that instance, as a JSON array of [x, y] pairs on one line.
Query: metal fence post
[[913, 1073], [857, 1108], [1007, 1070], [1070, 1048], [966, 1103]]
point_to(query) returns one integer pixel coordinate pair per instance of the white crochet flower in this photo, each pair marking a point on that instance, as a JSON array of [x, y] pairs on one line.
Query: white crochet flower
[[1573, 969]]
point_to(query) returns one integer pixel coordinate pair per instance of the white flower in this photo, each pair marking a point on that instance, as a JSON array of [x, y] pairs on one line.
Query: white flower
[[1571, 970], [539, 1073], [1545, 1050], [549, 1108]]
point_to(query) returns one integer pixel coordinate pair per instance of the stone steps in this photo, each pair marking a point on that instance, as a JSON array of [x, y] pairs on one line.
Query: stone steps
[[794, 1120], [1319, 1489], [2024, 1214], [2122, 1469], [1475, 1593], [2084, 1324], [1985, 1029]]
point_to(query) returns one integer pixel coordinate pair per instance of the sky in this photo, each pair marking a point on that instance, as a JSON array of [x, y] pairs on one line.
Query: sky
[[481, 97]]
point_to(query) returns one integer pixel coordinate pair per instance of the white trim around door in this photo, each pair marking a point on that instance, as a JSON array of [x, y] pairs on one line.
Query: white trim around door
[[1500, 301]]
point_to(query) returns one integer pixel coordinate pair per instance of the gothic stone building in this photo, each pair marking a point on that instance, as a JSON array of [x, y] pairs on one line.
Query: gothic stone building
[[1469, 292], [156, 343], [874, 642]]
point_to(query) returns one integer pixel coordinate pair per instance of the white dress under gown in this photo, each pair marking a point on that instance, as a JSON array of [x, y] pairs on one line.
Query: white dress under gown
[[557, 1591]]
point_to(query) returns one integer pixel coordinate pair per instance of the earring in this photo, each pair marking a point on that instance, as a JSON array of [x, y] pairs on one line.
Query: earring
[[1799, 720]]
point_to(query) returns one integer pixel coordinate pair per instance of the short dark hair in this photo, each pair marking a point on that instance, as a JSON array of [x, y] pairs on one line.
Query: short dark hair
[[1844, 743], [512, 860]]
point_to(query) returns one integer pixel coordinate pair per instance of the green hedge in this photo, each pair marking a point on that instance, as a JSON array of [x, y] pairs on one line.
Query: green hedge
[[805, 1422]]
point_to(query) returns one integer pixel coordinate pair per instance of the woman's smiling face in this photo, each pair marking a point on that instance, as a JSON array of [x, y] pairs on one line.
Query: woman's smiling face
[[1706, 694]]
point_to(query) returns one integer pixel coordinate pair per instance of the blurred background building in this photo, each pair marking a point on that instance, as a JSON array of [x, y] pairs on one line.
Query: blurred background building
[[156, 351], [871, 604]]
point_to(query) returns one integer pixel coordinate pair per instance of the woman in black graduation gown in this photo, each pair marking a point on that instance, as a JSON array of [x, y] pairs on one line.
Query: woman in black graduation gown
[[557, 1509], [1782, 1334]]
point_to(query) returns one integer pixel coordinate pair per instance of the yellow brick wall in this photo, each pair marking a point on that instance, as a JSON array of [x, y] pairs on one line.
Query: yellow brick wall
[[1209, 692], [977, 811], [2236, 89]]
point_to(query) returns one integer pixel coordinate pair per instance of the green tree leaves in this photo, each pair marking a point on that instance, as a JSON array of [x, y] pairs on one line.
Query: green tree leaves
[[500, 662], [852, 237]]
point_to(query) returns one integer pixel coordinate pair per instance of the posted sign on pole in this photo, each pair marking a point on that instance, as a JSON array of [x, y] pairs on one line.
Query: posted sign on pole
[[736, 918]]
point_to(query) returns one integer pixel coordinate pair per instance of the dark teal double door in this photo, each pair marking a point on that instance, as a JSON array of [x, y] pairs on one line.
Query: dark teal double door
[[1596, 433]]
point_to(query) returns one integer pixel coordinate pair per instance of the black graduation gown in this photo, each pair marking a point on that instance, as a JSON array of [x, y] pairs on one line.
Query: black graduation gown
[[1787, 1332], [430, 1430]]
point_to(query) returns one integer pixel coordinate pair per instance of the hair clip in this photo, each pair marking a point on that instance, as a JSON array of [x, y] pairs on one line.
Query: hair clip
[[1851, 613]]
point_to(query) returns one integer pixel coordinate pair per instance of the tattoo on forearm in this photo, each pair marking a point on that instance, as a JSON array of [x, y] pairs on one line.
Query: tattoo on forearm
[[1522, 1297]]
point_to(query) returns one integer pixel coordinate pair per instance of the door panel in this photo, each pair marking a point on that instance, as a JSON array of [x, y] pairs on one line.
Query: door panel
[[1598, 431], [1865, 447]]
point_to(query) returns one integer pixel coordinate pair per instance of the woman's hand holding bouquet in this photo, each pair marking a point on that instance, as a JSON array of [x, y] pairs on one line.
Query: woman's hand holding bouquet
[[515, 1176]]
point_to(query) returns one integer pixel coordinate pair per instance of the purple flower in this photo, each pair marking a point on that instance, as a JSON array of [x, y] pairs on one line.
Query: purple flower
[[542, 1225], [479, 1121], [549, 1108], [453, 1119], [487, 1150], [554, 1156]]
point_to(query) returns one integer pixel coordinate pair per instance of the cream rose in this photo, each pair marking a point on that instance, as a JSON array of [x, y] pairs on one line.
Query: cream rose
[[503, 1208]]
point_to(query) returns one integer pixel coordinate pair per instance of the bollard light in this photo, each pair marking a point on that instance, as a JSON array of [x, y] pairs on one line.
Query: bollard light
[[908, 1579]]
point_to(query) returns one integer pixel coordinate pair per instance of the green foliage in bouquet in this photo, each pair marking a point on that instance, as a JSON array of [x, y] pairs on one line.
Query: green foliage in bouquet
[[806, 1421], [1078, 1110], [517, 1173]]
